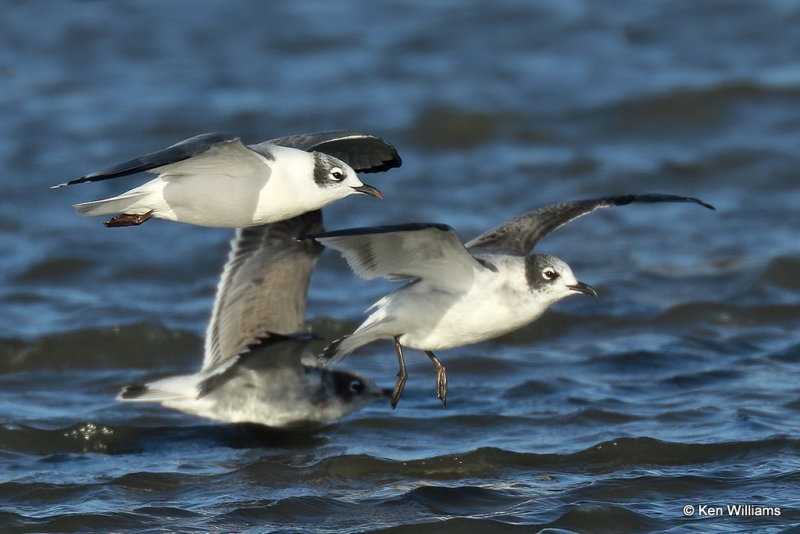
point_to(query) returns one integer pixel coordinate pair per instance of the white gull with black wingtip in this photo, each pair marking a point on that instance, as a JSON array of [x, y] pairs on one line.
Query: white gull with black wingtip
[[461, 294], [216, 180], [256, 368]]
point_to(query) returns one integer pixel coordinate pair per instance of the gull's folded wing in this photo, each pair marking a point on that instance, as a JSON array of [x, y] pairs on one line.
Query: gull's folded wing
[[178, 152]]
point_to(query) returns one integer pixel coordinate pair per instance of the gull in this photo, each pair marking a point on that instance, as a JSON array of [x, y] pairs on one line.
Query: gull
[[255, 367], [461, 294], [214, 179]]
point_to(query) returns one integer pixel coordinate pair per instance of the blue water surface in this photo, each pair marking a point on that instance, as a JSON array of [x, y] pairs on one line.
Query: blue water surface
[[677, 386]]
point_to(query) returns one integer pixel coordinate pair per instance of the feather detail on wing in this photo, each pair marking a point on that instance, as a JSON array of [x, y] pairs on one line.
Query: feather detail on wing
[[428, 251], [263, 286], [181, 151], [520, 235], [225, 154], [363, 152], [264, 354], [227, 158]]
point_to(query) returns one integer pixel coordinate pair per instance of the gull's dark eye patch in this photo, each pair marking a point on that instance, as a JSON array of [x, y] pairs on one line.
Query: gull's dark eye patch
[[328, 171], [356, 387]]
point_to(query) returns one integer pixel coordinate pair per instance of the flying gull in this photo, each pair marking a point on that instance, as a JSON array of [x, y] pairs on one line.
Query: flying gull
[[461, 294], [255, 367], [216, 180]]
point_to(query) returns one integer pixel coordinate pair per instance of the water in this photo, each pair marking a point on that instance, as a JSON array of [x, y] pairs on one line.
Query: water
[[678, 386]]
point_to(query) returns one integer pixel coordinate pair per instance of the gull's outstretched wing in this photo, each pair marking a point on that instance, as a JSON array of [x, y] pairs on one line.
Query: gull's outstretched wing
[[519, 235], [178, 152], [263, 287], [362, 151], [426, 250]]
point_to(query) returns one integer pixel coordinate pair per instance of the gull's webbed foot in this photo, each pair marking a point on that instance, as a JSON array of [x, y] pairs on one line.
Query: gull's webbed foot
[[129, 219]]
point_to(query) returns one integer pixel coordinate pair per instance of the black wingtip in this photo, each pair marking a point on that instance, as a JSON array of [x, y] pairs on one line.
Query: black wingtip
[[133, 391], [657, 197], [689, 199], [704, 204], [80, 180], [393, 162]]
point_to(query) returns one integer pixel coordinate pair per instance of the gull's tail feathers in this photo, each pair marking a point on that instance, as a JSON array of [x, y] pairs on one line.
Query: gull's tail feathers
[[176, 388], [343, 346], [120, 204], [340, 348], [373, 329], [331, 352]]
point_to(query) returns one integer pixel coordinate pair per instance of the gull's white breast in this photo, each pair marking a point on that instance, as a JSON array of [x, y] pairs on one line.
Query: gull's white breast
[[494, 304]]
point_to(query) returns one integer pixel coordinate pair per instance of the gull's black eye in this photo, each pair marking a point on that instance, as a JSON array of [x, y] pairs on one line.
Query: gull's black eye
[[356, 387], [336, 174], [549, 274]]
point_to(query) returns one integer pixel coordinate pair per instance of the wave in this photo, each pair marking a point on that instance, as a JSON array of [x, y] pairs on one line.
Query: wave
[[88, 437], [621, 453], [138, 345]]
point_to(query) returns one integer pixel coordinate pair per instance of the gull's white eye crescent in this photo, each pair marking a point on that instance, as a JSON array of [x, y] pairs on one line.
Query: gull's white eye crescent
[[549, 274], [336, 174]]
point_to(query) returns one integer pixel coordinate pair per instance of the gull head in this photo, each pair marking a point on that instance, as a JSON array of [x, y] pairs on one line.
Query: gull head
[[338, 179], [550, 279], [346, 392]]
